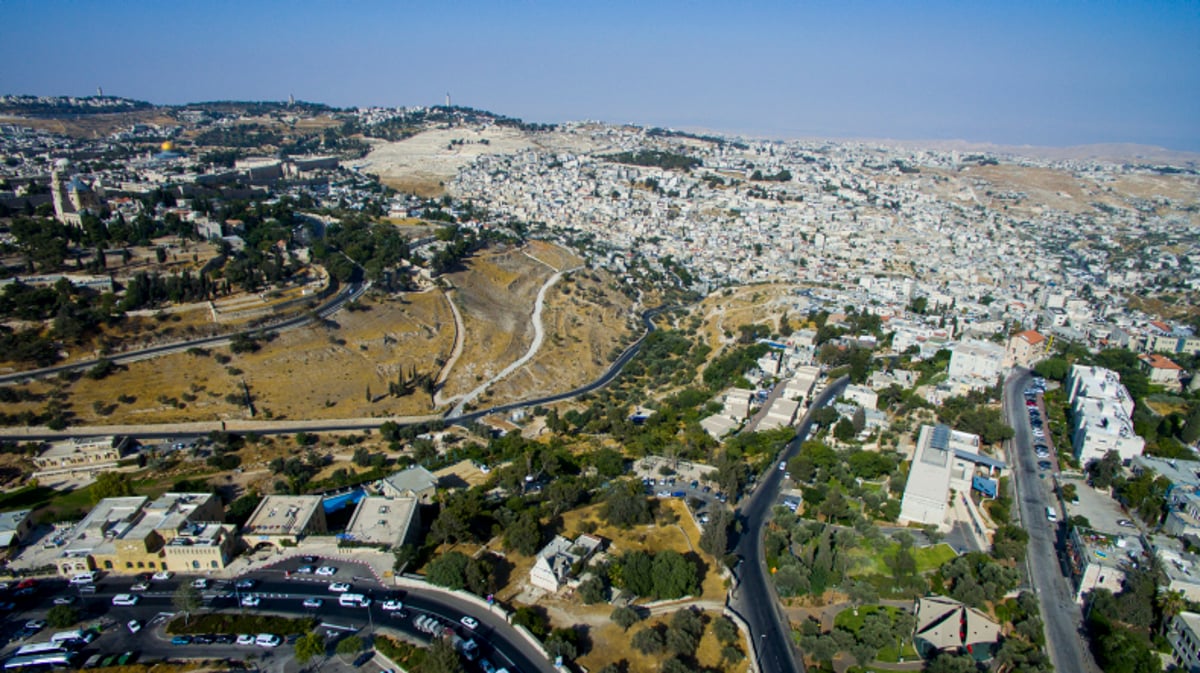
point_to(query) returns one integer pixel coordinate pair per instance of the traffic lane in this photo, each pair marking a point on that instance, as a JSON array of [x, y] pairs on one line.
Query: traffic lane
[[1047, 571]]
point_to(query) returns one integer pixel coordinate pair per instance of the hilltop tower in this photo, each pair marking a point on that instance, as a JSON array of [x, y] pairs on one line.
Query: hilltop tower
[[447, 99]]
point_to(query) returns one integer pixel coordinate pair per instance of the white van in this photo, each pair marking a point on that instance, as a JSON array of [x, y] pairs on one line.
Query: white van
[[1051, 516], [353, 601], [83, 578]]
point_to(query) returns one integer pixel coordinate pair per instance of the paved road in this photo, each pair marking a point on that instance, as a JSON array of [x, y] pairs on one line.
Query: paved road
[[335, 303], [278, 594], [754, 596], [167, 431], [1060, 613]]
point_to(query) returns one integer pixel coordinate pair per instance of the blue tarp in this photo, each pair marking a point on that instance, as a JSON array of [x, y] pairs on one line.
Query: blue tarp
[[985, 486]]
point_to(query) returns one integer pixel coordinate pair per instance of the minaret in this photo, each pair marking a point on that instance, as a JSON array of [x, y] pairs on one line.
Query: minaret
[[447, 99], [291, 100], [100, 91]]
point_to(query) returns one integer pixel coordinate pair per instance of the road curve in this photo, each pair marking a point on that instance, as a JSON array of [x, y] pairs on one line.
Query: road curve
[[539, 335], [350, 425], [753, 596]]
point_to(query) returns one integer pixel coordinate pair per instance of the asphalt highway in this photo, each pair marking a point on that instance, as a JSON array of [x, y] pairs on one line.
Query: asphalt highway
[[754, 597]]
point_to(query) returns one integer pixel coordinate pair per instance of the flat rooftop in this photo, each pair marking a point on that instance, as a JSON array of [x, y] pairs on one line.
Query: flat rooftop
[[382, 520], [282, 515], [111, 519], [169, 512]]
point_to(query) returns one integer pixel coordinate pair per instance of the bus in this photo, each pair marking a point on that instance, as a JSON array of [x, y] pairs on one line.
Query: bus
[[69, 638], [37, 661], [42, 648], [353, 601]]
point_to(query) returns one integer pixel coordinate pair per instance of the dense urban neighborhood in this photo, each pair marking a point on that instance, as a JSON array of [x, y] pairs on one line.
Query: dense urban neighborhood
[[294, 387]]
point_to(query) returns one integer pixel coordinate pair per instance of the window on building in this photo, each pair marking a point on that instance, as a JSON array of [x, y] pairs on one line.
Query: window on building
[[129, 564], [152, 564], [108, 565], [196, 565], [214, 564], [141, 564]]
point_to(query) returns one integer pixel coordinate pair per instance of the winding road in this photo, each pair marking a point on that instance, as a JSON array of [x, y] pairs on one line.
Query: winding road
[[539, 335], [753, 595]]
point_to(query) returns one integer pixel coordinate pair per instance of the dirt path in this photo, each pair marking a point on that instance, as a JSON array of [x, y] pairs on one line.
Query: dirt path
[[459, 332], [539, 334]]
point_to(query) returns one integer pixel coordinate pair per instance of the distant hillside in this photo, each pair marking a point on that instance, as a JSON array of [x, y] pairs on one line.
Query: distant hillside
[[62, 106], [1110, 152]]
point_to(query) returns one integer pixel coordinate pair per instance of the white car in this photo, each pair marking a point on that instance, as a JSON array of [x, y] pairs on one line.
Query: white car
[[245, 583], [134, 626], [245, 639], [125, 599], [140, 586], [161, 575], [339, 587], [36, 624], [250, 601], [268, 640], [304, 570], [200, 583], [391, 606], [469, 622], [313, 602], [327, 571]]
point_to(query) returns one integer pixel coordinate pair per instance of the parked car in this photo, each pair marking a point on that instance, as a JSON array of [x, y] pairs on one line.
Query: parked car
[[469, 622], [1044, 465], [134, 626], [310, 559], [181, 640], [251, 601], [327, 571], [392, 606], [245, 639], [305, 570], [268, 640], [36, 624], [224, 639], [200, 583], [313, 602], [204, 639], [339, 587], [162, 575]]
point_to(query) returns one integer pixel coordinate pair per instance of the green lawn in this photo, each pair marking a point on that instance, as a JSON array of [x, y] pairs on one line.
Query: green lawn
[[928, 558], [846, 619], [73, 505]]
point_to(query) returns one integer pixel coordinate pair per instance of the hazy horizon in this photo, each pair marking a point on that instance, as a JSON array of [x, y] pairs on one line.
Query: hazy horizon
[[1058, 75]]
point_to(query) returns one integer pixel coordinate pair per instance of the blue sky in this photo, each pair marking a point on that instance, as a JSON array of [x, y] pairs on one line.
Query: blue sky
[[1044, 73]]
